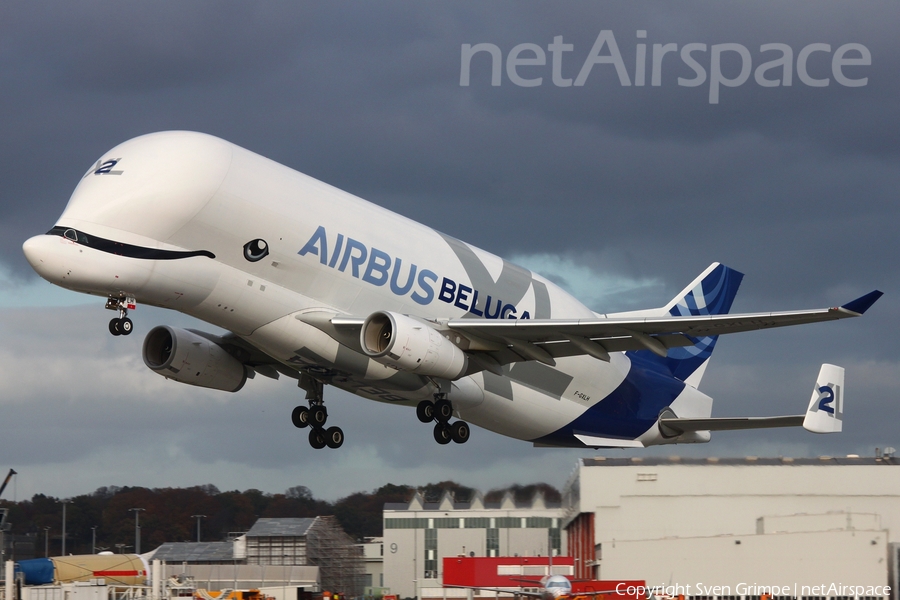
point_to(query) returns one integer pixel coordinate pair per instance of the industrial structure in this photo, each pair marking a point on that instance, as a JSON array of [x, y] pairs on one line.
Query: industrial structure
[[706, 528], [787, 522], [287, 543], [419, 534], [3, 514], [282, 559]]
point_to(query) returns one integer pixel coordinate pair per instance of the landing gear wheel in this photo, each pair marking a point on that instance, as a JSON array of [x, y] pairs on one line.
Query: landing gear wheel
[[442, 433], [443, 410], [125, 326], [318, 415], [300, 417], [425, 411], [334, 437], [459, 432], [114, 327], [317, 439]]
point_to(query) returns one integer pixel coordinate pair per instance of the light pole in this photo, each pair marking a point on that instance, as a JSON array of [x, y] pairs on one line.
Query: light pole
[[64, 502], [198, 517], [137, 528], [94, 539], [46, 542]]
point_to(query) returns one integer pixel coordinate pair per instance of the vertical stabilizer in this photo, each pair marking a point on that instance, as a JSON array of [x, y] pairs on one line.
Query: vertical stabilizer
[[711, 293]]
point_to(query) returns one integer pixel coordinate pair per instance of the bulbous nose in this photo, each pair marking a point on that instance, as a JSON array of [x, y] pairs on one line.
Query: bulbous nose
[[44, 254]]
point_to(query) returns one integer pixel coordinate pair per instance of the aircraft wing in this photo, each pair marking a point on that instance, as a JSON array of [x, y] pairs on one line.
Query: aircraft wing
[[546, 339], [514, 592]]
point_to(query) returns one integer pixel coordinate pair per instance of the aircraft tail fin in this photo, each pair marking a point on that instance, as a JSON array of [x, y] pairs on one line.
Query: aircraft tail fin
[[711, 293], [826, 407]]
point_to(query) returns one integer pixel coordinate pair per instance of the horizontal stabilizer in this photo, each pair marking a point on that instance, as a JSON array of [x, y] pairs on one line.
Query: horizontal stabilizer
[[824, 415], [674, 426]]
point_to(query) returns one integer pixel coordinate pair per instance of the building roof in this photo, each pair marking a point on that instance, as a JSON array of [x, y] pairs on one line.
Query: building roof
[[508, 502], [280, 527], [653, 461], [195, 552]]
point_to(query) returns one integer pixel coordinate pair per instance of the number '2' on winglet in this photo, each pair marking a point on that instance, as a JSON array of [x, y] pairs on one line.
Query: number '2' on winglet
[[863, 303]]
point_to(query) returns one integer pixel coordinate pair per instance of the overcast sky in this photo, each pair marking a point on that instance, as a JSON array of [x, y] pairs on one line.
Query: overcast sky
[[621, 193]]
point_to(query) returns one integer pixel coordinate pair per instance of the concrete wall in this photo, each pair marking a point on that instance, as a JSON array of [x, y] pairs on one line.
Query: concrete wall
[[373, 559], [217, 577], [784, 559], [803, 521], [657, 500]]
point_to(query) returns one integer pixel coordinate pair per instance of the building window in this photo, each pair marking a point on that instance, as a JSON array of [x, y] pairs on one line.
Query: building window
[[446, 523], [555, 541], [509, 522], [406, 523], [492, 543], [538, 522], [431, 554], [478, 522]]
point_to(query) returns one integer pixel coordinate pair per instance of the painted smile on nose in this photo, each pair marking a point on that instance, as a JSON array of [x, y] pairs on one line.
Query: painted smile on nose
[[121, 249]]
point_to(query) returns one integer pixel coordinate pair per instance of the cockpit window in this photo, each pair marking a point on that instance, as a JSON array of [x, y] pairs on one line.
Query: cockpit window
[[558, 582], [71, 234]]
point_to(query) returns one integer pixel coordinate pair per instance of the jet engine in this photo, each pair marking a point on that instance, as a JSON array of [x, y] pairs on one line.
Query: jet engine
[[189, 358], [408, 344]]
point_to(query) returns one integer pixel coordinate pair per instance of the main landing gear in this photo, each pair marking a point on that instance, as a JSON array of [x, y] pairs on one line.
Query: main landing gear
[[315, 416], [121, 325], [441, 411]]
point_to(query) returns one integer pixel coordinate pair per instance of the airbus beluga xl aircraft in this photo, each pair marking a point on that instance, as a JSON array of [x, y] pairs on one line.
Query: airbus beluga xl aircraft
[[322, 287]]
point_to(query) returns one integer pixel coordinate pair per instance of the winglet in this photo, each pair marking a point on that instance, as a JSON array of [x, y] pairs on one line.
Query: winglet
[[863, 303], [826, 407]]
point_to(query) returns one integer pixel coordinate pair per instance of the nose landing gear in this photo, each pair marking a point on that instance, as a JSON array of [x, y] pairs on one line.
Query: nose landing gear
[[121, 325], [440, 412], [315, 417]]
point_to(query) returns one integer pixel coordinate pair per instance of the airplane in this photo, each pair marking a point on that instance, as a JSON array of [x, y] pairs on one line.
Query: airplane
[[550, 587], [325, 288]]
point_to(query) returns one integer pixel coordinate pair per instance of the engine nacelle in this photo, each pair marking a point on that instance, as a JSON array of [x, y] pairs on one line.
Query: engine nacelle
[[189, 358], [407, 344]]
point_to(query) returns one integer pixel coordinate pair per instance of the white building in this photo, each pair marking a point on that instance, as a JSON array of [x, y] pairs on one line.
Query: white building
[[373, 562], [792, 524], [418, 535]]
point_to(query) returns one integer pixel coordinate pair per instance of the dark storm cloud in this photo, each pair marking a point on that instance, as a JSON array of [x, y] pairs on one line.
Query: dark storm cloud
[[795, 186]]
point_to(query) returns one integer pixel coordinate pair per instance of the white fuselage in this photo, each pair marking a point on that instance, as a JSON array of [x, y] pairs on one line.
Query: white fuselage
[[327, 251]]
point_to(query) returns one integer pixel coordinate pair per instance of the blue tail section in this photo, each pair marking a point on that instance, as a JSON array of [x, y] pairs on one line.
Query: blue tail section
[[712, 293], [653, 382]]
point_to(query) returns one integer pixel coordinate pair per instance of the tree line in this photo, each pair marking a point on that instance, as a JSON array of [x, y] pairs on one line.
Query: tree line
[[171, 514]]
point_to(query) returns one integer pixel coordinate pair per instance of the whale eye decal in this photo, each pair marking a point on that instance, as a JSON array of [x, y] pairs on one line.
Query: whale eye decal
[[255, 250]]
